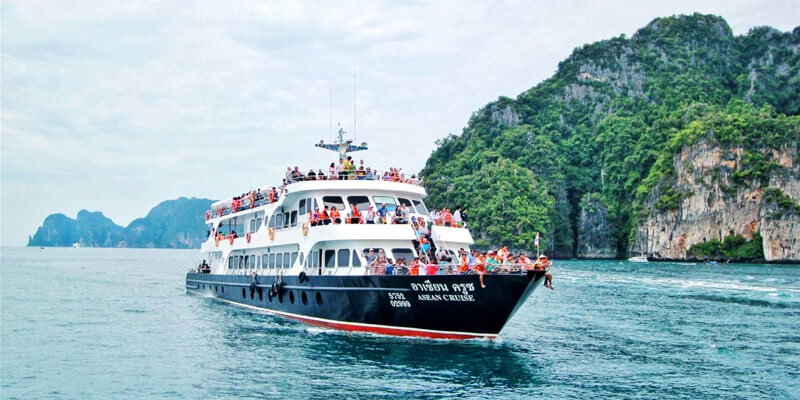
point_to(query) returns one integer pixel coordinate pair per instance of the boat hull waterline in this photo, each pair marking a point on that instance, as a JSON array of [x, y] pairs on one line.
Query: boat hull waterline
[[433, 306]]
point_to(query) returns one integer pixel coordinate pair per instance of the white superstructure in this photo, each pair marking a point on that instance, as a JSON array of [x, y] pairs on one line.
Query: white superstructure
[[276, 238]]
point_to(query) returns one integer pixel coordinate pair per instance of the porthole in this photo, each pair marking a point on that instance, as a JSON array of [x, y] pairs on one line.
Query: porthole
[[252, 295], [222, 289], [216, 289], [304, 298], [244, 294], [319, 299], [260, 294], [291, 297], [280, 297]]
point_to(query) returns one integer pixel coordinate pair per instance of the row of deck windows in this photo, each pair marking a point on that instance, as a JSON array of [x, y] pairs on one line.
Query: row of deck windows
[[330, 258], [267, 260]]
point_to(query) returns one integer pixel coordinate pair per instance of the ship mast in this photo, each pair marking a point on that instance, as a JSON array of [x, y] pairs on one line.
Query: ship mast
[[342, 146]]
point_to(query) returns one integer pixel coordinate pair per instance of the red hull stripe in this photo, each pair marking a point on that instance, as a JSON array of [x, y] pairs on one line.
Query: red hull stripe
[[362, 327]]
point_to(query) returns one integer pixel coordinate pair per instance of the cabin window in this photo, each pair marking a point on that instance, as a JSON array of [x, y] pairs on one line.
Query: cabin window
[[314, 259], [279, 260], [301, 258], [344, 258], [272, 260], [271, 223], [258, 223], [245, 262], [329, 258], [420, 206], [404, 254], [391, 205], [356, 259], [333, 201], [230, 262], [286, 260], [309, 206], [252, 225], [362, 202], [278, 221], [294, 259], [406, 203], [285, 220], [301, 206], [294, 218], [241, 262], [252, 262], [264, 260]]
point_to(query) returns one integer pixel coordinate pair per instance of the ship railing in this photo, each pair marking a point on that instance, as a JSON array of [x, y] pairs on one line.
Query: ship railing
[[375, 175]]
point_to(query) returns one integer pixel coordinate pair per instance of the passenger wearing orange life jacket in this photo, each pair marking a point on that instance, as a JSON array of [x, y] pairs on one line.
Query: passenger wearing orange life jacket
[[448, 218], [524, 262], [312, 218], [273, 195], [355, 215], [335, 216], [463, 262], [325, 219]]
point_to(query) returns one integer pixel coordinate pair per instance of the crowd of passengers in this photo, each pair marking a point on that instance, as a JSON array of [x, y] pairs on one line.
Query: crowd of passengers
[[346, 169], [442, 263]]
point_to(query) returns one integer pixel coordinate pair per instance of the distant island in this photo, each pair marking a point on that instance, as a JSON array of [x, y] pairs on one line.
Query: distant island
[[176, 224], [680, 142]]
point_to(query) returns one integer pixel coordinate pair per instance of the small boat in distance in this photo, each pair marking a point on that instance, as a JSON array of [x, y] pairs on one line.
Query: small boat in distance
[[76, 245], [639, 259], [319, 250]]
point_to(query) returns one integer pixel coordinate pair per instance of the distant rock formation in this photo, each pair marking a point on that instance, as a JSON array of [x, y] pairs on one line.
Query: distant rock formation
[[175, 223]]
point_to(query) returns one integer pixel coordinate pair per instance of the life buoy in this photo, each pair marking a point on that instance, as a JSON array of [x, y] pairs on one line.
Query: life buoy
[[231, 238], [304, 228], [247, 237], [271, 234]]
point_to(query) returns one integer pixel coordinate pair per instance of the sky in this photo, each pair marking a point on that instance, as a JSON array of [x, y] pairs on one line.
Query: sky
[[115, 106]]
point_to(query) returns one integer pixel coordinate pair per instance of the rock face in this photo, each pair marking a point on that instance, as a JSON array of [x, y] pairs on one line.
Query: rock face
[[713, 204], [595, 239], [171, 224]]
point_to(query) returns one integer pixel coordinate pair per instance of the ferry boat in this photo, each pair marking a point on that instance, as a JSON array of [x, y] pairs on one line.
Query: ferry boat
[[279, 263]]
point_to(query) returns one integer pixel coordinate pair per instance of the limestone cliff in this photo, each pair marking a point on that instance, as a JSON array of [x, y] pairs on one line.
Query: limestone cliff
[[595, 237], [709, 197]]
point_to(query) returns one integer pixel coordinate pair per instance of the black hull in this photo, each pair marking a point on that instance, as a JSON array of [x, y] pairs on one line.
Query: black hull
[[438, 306]]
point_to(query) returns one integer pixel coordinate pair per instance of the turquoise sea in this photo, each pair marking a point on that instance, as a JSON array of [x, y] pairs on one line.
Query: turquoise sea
[[117, 323]]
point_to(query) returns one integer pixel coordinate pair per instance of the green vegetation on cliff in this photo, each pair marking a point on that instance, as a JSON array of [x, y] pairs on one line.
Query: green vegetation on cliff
[[607, 125]]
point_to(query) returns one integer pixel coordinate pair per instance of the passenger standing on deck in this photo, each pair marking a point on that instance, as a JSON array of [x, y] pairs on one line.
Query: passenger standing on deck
[[332, 172], [413, 269], [335, 217], [457, 217], [431, 268], [370, 215], [382, 213], [370, 256], [325, 218]]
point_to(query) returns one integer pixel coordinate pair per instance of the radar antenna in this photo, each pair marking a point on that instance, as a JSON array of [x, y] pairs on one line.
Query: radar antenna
[[342, 146]]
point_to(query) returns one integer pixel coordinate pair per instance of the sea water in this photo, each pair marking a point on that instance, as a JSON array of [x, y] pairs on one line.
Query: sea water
[[117, 323]]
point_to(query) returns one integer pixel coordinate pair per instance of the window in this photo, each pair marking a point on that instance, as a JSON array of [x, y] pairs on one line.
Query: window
[[285, 220], [304, 298], [245, 263], [294, 259], [301, 206], [420, 206], [271, 223], [278, 221], [362, 202], [319, 299], [264, 260], [356, 259], [309, 206], [344, 258], [333, 201], [405, 254], [252, 262], [279, 260], [258, 223], [286, 260], [301, 258], [272, 260], [230, 262], [252, 225], [291, 297], [329, 260], [391, 205], [407, 203], [294, 218], [314, 259]]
